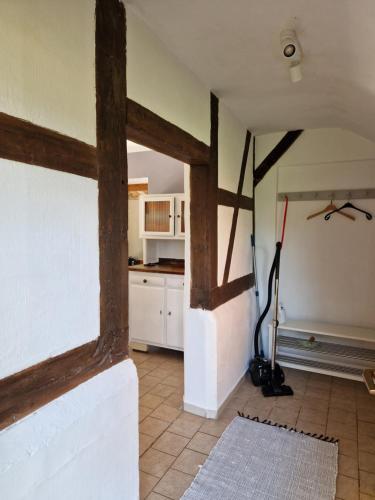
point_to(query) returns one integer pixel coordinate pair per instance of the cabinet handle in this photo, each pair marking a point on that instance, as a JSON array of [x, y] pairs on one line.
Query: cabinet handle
[[161, 312], [178, 216], [169, 314], [170, 216], [145, 281]]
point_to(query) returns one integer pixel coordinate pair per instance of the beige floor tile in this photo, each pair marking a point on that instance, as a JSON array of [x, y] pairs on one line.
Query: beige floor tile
[[153, 426], [145, 442], [343, 404], [185, 426], [150, 364], [363, 496], [316, 393], [343, 417], [215, 427], [156, 496], [347, 488], [289, 403], [367, 482], [203, 443], [338, 430], [151, 401], [315, 416], [175, 400], [348, 466], [174, 484], [146, 483], [303, 425], [366, 429], [142, 372], [142, 390], [366, 414], [161, 372], [348, 447], [315, 403], [150, 381], [229, 413], [144, 412], [283, 416], [166, 413], [366, 443], [365, 401], [171, 443], [189, 461], [366, 461], [155, 462], [174, 381], [162, 390]]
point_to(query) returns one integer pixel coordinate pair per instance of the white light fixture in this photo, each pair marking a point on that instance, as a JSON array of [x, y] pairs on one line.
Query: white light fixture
[[291, 53]]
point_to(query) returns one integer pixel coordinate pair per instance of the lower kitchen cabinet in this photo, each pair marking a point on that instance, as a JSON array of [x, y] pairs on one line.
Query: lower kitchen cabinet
[[156, 305]]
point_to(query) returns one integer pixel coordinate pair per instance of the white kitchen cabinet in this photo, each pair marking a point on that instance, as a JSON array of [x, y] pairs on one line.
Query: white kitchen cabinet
[[162, 216], [156, 309], [146, 318]]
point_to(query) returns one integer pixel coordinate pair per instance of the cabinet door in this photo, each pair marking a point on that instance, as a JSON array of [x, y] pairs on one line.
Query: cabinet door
[[156, 216], [146, 313], [180, 216], [175, 323]]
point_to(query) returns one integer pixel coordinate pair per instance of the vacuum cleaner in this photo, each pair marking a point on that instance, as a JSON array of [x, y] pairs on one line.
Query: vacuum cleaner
[[263, 372]]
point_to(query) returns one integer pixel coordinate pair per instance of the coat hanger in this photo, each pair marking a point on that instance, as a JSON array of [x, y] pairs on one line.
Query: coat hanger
[[330, 208], [348, 204]]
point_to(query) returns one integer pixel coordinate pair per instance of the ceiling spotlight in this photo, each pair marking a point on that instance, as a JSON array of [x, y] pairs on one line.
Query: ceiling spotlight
[[292, 53]]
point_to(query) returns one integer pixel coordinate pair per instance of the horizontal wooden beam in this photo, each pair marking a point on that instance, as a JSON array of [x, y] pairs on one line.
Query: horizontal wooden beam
[[229, 199], [150, 130], [28, 390], [214, 298], [25, 142], [277, 152]]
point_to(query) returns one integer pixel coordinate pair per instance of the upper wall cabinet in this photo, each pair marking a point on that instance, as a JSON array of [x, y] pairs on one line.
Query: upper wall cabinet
[[162, 216]]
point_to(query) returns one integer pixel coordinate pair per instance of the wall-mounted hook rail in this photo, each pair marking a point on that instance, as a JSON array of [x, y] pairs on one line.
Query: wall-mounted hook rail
[[340, 194]]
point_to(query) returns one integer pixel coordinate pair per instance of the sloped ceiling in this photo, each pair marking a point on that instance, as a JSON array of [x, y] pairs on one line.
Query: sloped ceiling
[[233, 48]]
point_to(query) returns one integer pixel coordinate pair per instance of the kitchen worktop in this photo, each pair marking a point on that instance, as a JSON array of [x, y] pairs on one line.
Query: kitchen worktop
[[161, 268]]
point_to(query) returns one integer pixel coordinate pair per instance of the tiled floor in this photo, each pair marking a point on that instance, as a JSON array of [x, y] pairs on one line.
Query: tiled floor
[[174, 443]]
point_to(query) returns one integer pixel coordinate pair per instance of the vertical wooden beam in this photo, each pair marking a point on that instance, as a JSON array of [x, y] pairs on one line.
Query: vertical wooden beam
[[203, 217], [236, 208], [112, 175], [212, 189]]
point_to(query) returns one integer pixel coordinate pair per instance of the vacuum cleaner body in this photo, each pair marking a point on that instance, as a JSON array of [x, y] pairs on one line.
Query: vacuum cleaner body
[[260, 370]]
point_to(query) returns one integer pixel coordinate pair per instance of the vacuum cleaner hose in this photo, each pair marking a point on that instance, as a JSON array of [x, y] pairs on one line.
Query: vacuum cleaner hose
[[274, 267]]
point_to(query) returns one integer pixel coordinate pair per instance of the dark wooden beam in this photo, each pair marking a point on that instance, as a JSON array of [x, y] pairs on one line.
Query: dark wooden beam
[[110, 37], [221, 294], [25, 142], [229, 199], [229, 291], [28, 390], [149, 129], [277, 152], [203, 220], [236, 208]]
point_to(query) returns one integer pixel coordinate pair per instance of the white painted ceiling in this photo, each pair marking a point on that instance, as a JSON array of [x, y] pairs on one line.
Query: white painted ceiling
[[233, 47]]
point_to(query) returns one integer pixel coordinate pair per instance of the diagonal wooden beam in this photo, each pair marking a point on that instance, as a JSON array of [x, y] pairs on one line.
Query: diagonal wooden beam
[[236, 208], [278, 151]]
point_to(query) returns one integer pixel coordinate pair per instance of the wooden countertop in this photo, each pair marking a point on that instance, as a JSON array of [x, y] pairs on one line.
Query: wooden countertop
[[159, 268]]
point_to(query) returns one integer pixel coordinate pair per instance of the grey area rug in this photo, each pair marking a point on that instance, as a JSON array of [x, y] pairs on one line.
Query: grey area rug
[[256, 461]]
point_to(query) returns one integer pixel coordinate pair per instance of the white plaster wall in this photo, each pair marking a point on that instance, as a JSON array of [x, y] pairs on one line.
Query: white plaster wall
[[79, 446], [49, 264], [47, 54], [326, 268]]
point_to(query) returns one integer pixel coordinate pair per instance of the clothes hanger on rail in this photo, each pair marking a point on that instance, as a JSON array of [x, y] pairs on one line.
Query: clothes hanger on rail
[[348, 204], [330, 208]]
